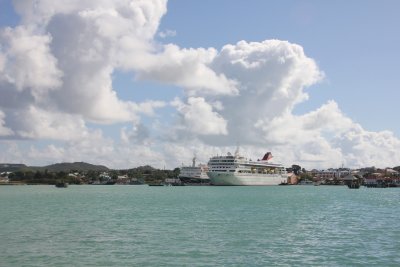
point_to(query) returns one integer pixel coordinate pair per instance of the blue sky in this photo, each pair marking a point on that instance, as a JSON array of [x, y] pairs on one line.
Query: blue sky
[[160, 91], [354, 42]]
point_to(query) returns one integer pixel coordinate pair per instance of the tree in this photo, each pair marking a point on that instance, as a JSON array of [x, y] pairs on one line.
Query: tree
[[28, 175], [176, 172], [38, 175], [11, 176], [305, 176], [61, 175], [296, 169]]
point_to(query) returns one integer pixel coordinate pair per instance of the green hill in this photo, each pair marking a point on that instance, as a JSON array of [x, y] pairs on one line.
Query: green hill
[[11, 167], [75, 166], [58, 167]]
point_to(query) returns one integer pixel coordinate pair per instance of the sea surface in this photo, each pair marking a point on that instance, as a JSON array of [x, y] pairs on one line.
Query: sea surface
[[199, 226]]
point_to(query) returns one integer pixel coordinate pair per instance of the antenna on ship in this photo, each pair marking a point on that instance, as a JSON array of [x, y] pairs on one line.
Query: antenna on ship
[[194, 160], [237, 150]]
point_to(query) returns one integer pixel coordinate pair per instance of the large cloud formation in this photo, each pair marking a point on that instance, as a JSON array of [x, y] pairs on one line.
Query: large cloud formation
[[56, 87]]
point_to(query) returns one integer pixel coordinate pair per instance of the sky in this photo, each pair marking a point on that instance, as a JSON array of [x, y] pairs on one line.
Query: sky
[[128, 83]]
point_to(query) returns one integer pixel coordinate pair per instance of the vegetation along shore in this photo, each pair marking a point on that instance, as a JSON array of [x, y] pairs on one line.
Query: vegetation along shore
[[85, 173]]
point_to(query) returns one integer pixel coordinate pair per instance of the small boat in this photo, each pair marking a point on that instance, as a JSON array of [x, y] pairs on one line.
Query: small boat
[[61, 185]]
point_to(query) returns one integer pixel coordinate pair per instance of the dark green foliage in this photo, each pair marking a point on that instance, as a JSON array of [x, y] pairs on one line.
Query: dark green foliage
[[8, 167], [65, 167], [150, 175], [75, 167], [47, 175], [304, 176], [296, 169]]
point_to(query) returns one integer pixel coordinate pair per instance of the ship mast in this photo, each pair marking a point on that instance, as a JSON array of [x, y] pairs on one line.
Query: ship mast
[[194, 161], [237, 152]]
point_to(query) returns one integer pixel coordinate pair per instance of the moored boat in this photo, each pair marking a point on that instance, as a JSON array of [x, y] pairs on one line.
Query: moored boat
[[61, 185], [194, 175]]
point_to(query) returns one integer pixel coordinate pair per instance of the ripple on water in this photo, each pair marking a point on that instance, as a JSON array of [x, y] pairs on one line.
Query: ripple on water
[[198, 226]]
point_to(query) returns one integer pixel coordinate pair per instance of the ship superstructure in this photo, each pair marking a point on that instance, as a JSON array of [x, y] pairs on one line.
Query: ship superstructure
[[238, 170], [194, 174]]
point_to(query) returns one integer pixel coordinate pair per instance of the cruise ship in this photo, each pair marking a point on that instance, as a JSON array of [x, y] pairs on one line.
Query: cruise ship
[[238, 170], [194, 174]]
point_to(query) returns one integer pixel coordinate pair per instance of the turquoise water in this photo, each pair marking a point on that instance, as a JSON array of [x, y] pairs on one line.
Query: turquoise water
[[199, 226]]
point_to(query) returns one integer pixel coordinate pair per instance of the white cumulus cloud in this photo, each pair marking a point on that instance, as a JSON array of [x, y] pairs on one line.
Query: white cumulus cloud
[[188, 68], [198, 117], [56, 77], [4, 131], [27, 61], [59, 63]]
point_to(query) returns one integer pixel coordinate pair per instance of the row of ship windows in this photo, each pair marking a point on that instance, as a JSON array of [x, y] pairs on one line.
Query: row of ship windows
[[230, 166], [222, 160], [220, 164], [248, 171], [222, 170], [239, 171]]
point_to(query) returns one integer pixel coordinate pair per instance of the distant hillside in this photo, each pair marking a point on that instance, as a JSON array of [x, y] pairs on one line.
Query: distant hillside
[[65, 167], [76, 166], [144, 169], [11, 167]]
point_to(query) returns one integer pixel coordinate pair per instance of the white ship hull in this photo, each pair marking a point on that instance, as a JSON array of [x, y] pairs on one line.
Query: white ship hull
[[226, 178]]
